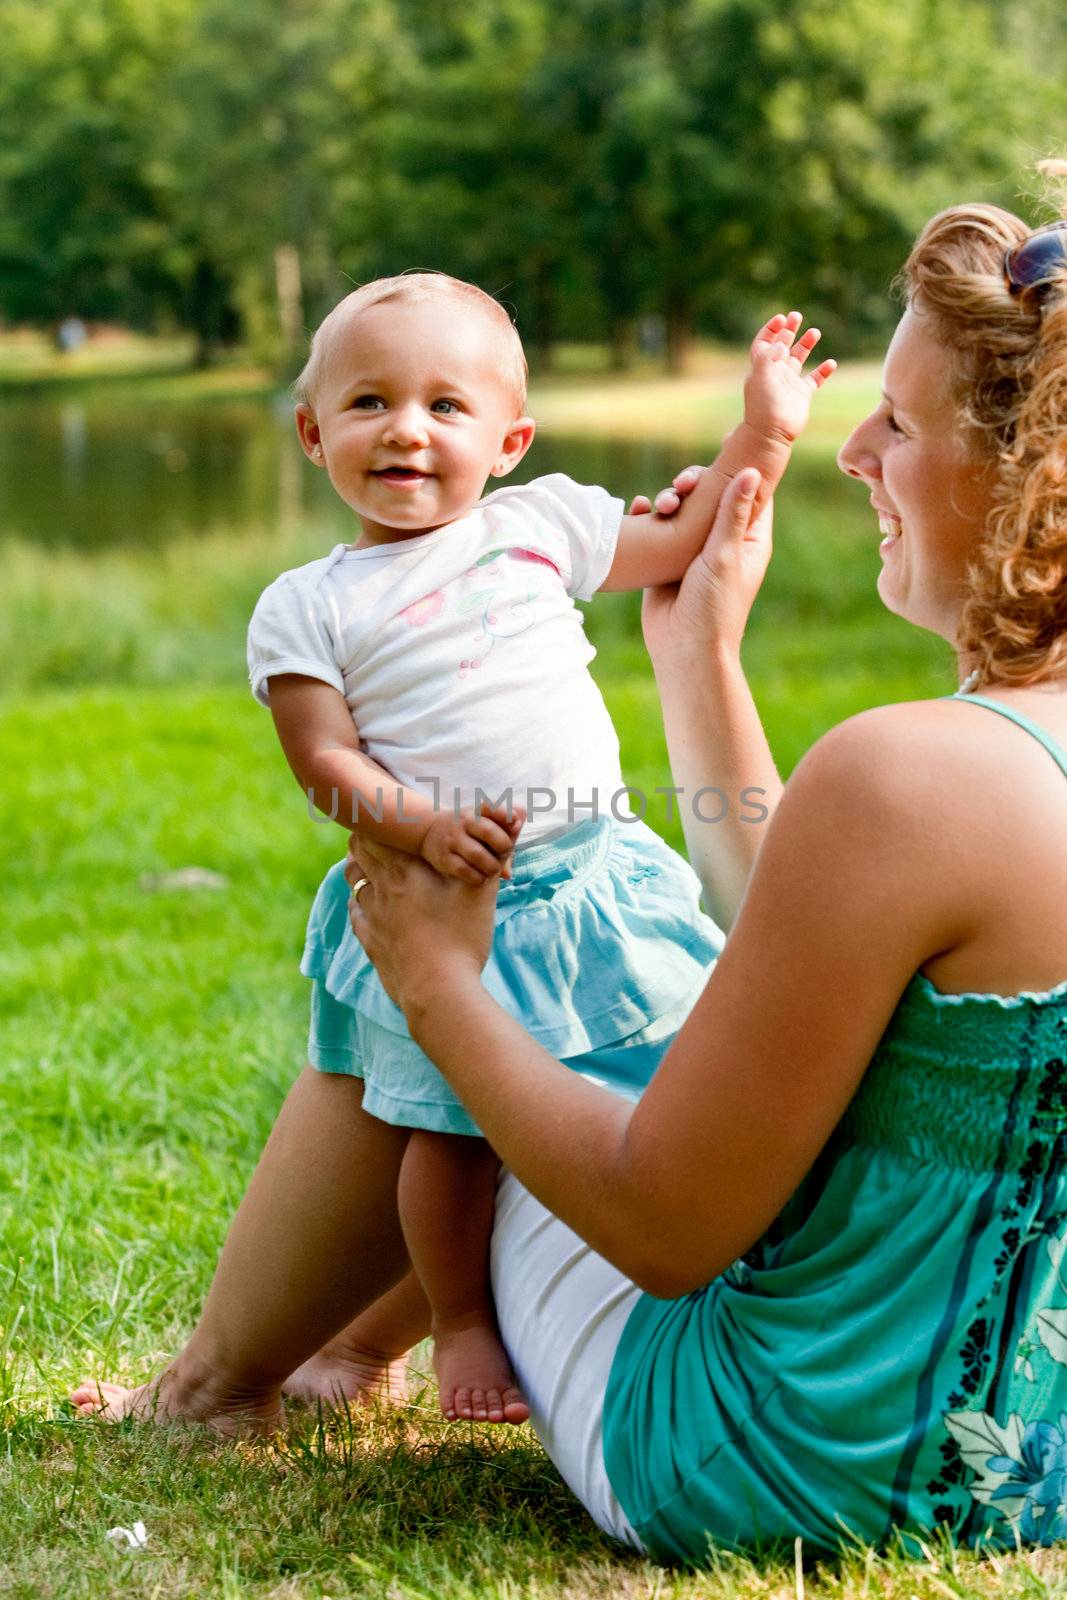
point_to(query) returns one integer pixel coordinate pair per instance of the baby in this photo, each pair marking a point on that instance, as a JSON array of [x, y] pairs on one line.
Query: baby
[[429, 686]]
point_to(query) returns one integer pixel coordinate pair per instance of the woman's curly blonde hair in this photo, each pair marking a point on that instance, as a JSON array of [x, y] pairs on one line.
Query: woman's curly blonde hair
[[1010, 358]]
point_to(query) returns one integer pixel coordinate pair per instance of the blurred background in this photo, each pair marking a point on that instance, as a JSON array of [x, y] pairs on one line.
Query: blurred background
[[185, 187], [630, 172]]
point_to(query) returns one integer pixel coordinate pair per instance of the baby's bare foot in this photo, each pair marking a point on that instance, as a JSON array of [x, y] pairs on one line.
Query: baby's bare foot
[[174, 1397], [340, 1372], [474, 1376]]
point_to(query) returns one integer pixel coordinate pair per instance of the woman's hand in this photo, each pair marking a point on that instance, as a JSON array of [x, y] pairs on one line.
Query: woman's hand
[[421, 930], [668, 501], [710, 607]]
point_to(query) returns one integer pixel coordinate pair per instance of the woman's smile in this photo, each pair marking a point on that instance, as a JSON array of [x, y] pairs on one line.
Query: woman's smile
[[890, 528]]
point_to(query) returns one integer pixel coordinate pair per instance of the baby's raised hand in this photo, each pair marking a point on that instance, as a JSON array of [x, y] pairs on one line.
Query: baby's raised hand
[[473, 846], [777, 390]]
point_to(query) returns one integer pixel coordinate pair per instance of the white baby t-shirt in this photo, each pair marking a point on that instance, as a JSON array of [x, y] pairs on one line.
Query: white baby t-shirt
[[461, 654]]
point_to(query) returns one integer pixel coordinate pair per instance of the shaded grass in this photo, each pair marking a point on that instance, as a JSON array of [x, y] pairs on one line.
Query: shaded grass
[[394, 1507]]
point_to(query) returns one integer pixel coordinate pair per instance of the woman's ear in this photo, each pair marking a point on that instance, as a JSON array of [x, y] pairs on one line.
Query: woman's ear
[[308, 431], [517, 441]]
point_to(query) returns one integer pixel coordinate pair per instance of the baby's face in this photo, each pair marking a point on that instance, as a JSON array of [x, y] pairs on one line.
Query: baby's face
[[411, 416]]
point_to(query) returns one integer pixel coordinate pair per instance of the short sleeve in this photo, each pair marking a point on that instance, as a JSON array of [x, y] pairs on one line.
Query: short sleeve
[[589, 519], [289, 633]]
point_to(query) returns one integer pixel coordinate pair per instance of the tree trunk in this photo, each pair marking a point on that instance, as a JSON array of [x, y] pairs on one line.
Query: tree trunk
[[290, 300], [679, 327], [544, 332], [622, 343], [206, 311]]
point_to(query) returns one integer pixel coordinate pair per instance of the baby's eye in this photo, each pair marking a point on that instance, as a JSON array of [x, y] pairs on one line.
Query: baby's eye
[[445, 408], [367, 402]]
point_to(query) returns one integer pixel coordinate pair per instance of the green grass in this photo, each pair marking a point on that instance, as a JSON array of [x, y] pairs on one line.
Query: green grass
[[147, 1039]]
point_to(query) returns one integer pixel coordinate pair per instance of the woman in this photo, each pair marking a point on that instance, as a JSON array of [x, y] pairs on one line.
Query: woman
[[867, 1101], [869, 1096]]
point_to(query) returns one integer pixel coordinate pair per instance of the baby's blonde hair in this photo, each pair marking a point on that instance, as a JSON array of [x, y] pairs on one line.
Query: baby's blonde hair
[[1009, 355], [416, 288]]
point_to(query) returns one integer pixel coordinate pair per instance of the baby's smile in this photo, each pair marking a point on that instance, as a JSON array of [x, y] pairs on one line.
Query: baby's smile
[[401, 477]]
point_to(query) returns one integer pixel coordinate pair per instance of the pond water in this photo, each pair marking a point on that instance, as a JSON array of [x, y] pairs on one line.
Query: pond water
[[98, 470]]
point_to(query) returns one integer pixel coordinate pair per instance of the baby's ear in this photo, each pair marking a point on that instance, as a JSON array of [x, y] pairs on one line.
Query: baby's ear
[[517, 441], [308, 430]]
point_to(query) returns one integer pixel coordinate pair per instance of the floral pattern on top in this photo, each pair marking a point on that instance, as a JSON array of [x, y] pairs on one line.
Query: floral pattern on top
[[503, 607], [420, 612], [1020, 1468]]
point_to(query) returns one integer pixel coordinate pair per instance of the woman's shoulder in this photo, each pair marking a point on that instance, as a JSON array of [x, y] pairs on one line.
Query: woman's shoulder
[[904, 747], [920, 773], [890, 748]]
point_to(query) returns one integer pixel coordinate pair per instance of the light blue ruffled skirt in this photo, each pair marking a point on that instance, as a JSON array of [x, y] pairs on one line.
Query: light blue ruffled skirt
[[600, 951]]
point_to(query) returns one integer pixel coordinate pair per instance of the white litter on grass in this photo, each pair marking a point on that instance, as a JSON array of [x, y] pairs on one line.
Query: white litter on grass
[[183, 878], [134, 1538]]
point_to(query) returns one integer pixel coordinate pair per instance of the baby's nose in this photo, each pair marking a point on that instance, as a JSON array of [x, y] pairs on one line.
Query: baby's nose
[[408, 425]]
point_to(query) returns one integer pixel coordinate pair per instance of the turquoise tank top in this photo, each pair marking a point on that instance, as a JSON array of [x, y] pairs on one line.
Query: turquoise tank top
[[893, 1353]]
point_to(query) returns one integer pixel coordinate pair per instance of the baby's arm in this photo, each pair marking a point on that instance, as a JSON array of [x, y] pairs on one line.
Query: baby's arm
[[654, 549], [321, 745]]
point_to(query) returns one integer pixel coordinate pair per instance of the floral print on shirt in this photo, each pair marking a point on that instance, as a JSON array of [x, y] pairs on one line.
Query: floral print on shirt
[[499, 609]]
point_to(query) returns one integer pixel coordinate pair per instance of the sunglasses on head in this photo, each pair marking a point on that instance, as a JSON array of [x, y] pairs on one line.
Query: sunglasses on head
[[1038, 261]]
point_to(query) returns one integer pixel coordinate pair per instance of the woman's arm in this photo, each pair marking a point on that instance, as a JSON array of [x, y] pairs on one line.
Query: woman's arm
[[715, 738], [853, 890], [723, 768]]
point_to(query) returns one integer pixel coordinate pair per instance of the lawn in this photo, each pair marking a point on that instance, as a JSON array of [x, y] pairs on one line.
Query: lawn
[[148, 1034]]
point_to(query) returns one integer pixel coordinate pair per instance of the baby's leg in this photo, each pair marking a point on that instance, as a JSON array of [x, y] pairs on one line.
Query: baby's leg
[[447, 1201], [368, 1359]]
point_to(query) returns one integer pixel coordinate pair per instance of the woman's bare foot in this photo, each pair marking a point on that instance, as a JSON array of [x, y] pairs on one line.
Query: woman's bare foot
[[341, 1372], [176, 1396], [474, 1376]]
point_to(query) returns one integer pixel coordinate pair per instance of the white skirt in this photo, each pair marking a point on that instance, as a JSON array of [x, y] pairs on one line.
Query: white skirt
[[561, 1309]]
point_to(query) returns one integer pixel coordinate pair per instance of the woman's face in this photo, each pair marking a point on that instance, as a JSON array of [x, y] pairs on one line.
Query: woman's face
[[932, 496]]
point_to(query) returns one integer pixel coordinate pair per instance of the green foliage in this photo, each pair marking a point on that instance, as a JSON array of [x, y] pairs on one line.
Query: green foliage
[[81, 226], [231, 164], [867, 120], [263, 143]]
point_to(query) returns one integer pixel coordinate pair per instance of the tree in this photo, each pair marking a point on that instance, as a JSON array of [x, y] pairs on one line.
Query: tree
[[589, 163], [252, 144], [82, 226], [850, 125]]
